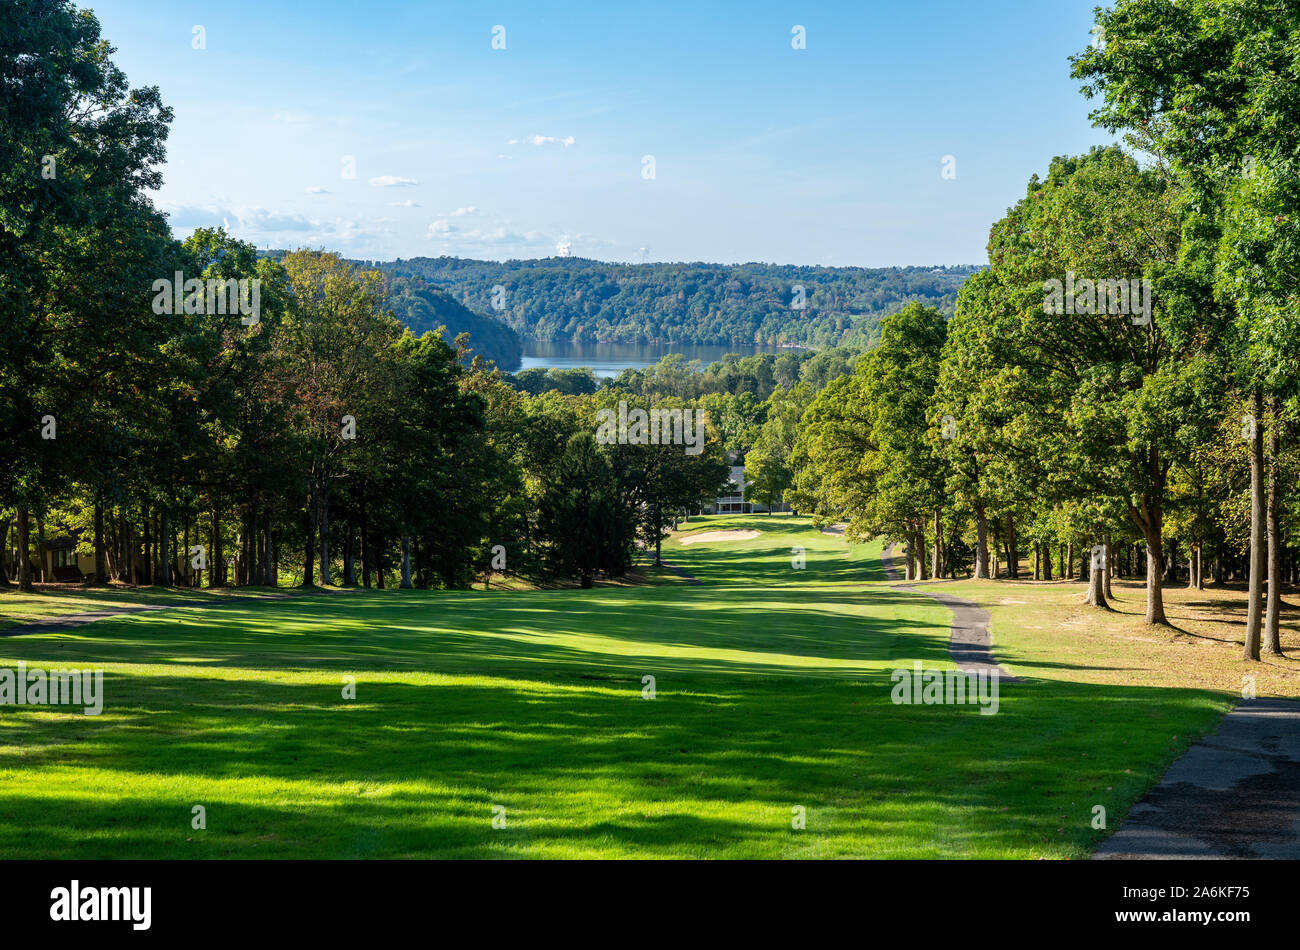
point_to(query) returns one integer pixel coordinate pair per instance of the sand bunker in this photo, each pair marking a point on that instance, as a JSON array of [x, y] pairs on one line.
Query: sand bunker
[[721, 536], [837, 529]]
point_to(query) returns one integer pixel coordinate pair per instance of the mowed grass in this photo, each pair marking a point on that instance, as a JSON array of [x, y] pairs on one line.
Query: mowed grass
[[56, 600], [772, 693], [1046, 629]]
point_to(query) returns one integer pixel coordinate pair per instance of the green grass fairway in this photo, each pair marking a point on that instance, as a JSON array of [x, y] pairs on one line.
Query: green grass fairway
[[772, 692]]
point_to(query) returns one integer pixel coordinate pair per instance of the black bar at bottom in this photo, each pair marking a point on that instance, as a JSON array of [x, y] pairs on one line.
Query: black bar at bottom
[[643, 900]]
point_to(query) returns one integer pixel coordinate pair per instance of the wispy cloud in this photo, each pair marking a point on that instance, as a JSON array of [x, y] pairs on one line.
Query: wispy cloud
[[265, 226], [392, 181], [539, 140], [447, 232]]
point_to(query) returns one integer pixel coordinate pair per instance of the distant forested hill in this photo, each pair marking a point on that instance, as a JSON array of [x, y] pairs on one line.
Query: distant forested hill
[[593, 301], [423, 307]]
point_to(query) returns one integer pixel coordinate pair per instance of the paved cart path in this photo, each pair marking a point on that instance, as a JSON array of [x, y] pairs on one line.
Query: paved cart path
[[1234, 794], [970, 644]]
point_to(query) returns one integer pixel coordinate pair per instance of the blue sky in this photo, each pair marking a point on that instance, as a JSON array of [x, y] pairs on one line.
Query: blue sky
[[832, 154]]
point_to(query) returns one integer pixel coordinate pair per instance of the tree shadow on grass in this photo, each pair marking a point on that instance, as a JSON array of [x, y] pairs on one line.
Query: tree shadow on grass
[[711, 766], [761, 631]]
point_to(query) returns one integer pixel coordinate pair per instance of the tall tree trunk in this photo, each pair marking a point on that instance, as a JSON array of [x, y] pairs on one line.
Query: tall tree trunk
[[242, 572], [349, 556], [212, 549], [1096, 581], [165, 554], [1013, 549], [936, 563], [101, 573], [909, 560], [250, 542], [918, 549], [257, 573], [309, 554], [273, 553], [24, 557], [254, 547], [126, 533], [1155, 591], [981, 543], [1106, 573], [147, 569], [41, 551], [325, 535], [118, 547], [1258, 532], [365, 548], [1272, 618], [659, 537], [1047, 561], [4, 549], [268, 549], [1150, 519], [406, 561]]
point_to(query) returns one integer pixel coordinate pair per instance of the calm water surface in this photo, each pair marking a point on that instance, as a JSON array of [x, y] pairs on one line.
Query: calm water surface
[[610, 359]]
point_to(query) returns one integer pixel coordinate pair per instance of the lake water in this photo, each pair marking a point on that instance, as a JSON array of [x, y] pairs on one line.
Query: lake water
[[610, 359]]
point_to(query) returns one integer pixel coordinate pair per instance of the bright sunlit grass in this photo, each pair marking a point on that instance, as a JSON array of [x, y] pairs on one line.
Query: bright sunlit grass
[[772, 692]]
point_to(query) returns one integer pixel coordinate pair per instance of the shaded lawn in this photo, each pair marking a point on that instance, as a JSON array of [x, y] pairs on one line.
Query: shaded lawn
[[56, 600], [772, 691]]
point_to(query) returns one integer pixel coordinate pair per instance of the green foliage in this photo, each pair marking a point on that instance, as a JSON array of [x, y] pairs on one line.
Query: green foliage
[[862, 454], [588, 301], [569, 382], [422, 307]]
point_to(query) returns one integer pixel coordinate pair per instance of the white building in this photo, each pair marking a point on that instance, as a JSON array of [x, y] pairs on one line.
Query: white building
[[732, 501]]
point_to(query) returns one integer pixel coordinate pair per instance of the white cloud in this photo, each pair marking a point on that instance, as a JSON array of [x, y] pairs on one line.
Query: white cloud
[[545, 140], [189, 217], [408, 203], [262, 220], [262, 226], [449, 233], [392, 181], [315, 190]]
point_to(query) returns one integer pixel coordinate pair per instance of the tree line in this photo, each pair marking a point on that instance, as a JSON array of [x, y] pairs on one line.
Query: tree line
[[587, 301], [196, 413], [1117, 391]]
